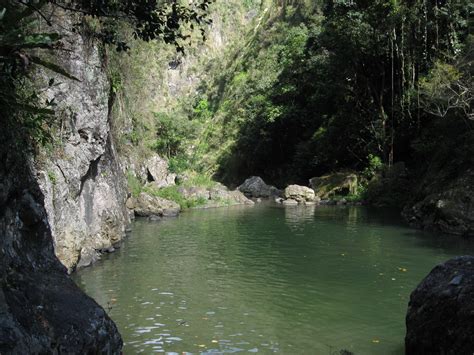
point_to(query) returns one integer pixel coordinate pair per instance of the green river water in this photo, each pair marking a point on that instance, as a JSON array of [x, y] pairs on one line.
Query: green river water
[[299, 280]]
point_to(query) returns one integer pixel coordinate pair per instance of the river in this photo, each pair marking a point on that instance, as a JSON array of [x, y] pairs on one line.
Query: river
[[295, 280]]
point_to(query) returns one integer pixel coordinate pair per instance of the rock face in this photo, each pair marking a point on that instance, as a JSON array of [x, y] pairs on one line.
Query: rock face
[[450, 211], [299, 193], [42, 310], [255, 187], [440, 318], [158, 173], [146, 205], [338, 183], [83, 183]]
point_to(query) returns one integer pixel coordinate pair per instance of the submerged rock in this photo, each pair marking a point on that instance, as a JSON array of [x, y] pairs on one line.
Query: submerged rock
[[440, 317], [300, 193], [255, 187]]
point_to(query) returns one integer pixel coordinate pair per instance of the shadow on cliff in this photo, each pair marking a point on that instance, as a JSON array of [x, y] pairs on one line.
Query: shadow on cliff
[[41, 308]]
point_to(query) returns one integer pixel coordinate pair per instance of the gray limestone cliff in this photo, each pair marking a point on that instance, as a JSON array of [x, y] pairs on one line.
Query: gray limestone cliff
[[78, 209], [84, 186]]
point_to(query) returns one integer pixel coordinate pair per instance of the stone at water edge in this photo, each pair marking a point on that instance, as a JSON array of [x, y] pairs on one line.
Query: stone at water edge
[[332, 184], [440, 316], [255, 187], [146, 205], [447, 208], [342, 202], [300, 193], [290, 202]]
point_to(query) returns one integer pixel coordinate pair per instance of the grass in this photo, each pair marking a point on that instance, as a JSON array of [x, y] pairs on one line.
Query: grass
[[172, 192], [134, 185]]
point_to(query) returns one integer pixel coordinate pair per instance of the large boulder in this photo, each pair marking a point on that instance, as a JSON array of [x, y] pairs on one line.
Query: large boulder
[[221, 193], [290, 202], [450, 209], [146, 205], [440, 318], [158, 172], [299, 193], [342, 183], [255, 187]]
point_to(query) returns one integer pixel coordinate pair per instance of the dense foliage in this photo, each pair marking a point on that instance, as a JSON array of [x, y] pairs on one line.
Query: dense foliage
[[30, 32], [325, 87], [303, 89]]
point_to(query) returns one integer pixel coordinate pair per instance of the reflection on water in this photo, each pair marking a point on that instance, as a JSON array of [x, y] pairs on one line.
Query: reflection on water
[[296, 280]]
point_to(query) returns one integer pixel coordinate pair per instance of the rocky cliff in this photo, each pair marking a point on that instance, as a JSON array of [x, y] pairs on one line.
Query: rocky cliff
[[84, 186], [78, 209], [42, 311]]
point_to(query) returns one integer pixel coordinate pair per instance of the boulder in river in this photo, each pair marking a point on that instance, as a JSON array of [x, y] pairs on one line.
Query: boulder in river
[[290, 202], [220, 193], [300, 193], [342, 183], [146, 205], [440, 317], [255, 187]]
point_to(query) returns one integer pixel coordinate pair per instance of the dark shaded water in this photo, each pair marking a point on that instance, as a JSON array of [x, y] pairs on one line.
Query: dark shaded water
[[266, 279]]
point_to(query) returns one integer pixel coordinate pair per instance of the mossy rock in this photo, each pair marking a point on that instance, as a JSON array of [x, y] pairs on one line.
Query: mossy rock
[[340, 183]]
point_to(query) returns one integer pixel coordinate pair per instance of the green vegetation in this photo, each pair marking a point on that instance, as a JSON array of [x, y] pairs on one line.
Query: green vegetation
[[173, 192], [281, 89], [319, 87], [52, 177], [134, 184], [29, 39]]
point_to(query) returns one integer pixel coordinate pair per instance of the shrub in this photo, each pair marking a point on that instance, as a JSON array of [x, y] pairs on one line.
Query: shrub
[[134, 185]]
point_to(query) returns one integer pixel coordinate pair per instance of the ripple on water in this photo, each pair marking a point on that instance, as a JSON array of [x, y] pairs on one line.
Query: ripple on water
[[303, 280]]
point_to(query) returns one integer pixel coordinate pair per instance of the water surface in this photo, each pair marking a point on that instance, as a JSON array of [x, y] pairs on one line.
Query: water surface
[[298, 280]]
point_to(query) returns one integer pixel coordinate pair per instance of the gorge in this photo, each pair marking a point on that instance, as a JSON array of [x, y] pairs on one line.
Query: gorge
[[271, 92]]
